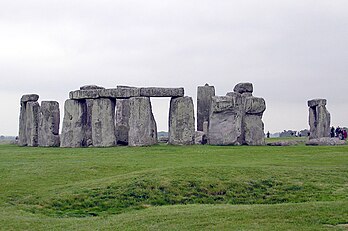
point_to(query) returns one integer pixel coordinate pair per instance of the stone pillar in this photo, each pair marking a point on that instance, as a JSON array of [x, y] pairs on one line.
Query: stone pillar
[[32, 123], [74, 124], [319, 119], [25, 118], [181, 121], [142, 124], [122, 121], [204, 94], [253, 126], [103, 122], [225, 123], [49, 124]]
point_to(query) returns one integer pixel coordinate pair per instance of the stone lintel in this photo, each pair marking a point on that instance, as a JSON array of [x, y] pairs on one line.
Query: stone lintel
[[29, 97], [316, 102], [161, 92]]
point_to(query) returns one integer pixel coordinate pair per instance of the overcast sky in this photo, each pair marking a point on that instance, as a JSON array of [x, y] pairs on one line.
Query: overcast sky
[[291, 50]]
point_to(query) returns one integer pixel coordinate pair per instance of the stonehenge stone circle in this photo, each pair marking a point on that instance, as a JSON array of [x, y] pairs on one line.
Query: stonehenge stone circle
[[204, 99], [142, 124], [181, 121], [319, 119], [101, 117], [49, 119]]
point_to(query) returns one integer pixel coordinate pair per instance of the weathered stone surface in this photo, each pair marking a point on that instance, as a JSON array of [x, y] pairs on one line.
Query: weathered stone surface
[[48, 134], [127, 92], [91, 87], [243, 87], [103, 122], [29, 97], [22, 134], [113, 93], [181, 121], [142, 124], [225, 123], [319, 119], [32, 123], [204, 94], [74, 124], [253, 129], [325, 141], [88, 127], [254, 105], [316, 102], [285, 143], [200, 138], [122, 121], [205, 127], [161, 92]]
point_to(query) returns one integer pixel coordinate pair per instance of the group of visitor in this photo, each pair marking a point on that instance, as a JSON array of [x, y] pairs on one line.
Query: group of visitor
[[338, 132]]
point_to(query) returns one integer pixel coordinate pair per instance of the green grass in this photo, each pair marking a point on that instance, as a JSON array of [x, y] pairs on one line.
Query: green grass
[[174, 188]]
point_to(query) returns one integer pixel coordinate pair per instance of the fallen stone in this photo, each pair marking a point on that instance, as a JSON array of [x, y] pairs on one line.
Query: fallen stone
[[181, 121], [285, 143], [29, 97], [161, 92], [142, 124], [204, 94], [200, 138], [243, 87], [74, 124], [48, 134], [103, 123], [326, 141]]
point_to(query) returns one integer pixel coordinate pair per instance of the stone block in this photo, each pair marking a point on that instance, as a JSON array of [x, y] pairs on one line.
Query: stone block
[[49, 120], [204, 99], [161, 92]]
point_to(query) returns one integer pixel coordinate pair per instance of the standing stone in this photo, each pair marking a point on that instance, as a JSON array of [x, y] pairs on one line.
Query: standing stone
[[103, 122], [181, 121], [253, 126], [88, 128], [49, 124], [204, 99], [122, 121], [142, 124], [74, 124], [225, 123], [22, 136], [32, 123], [319, 119], [24, 133]]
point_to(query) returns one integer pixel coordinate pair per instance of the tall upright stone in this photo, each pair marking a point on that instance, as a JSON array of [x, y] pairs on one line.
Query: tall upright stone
[[103, 122], [26, 117], [74, 124], [204, 100], [49, 120], [253, 127], [319, 119], [32, 123], [225, 125], [142, 124], [122, 121], [181, 121]]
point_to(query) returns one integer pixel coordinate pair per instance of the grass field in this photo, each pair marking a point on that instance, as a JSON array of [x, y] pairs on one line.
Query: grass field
[[174, 188]]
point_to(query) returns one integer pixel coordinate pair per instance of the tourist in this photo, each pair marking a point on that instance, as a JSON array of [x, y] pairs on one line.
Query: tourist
[[268, 134], [332, 133]]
